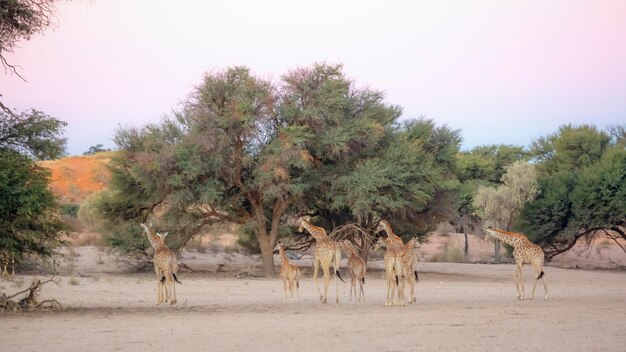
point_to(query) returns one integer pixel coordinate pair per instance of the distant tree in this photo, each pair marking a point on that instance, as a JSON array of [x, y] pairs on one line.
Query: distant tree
[[98, 148], [500, 206], [19, 20], [488, 162], [617, 133], [570, 148], [482, 166]]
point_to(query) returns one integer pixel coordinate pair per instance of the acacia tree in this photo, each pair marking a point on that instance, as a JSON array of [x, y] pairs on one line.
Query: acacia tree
[[243, 151], [28, 221], [582, 204], [581, 182], [367, 165], [500, 206]]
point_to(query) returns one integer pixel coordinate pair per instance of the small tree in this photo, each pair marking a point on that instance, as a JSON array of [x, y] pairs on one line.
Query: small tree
[[500, 206], [94, 149], [482, 166]]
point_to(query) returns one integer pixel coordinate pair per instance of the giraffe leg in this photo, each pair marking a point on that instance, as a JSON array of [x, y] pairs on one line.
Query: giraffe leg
[[540, 275], [158, 277], [326, 270], [400, 283], [297, 286], [361, 291], [390, 285], [545, 286], [411, 282], [337, 263], [285, 290], [316, 265], [352, 283], [519, 281], [173, 283], [294, 290]]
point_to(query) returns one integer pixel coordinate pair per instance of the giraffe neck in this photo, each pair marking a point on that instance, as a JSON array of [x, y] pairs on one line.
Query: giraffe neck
[[153, 242], [317, 232], [389, 232], [349, 250], [283, 257], [507, 238], [410, 246]]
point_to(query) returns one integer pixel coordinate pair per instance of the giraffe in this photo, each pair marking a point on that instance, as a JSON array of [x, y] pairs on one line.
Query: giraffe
[[523, 251], [290, 274], [393, 265], [7, 258], [326, 252], [356, 269], [408, 259], [165, 266]]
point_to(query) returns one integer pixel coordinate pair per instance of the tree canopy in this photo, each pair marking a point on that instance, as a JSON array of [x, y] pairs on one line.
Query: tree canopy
[[28, 221], [582, 186], [254, 153]]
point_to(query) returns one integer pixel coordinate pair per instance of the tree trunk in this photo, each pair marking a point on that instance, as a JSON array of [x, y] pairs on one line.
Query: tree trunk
[[266, 240], [466, 247], [496, 258], [267, 254]]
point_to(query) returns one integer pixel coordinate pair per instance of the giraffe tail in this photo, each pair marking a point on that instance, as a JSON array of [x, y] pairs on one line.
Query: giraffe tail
[[363, 280], [416, 277], [175, 278], [339, 276], [337, 263], [540, 275]]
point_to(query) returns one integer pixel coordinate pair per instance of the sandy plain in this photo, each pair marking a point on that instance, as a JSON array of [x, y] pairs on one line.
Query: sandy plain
[[460, 307]]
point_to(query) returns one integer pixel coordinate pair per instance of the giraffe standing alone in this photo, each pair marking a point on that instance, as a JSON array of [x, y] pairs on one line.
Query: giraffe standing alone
[[165, 266], [290, 274], [356, 269], [523, 251], [326, 252]]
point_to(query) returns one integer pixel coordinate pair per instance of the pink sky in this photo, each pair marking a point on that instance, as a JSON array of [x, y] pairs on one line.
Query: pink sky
[[501, 71]]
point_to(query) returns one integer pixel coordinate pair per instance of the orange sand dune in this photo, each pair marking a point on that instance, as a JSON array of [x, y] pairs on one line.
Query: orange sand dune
[[76, 177]]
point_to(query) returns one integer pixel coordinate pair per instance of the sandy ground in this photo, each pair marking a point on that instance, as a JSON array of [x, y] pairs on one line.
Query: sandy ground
[[460, 307]]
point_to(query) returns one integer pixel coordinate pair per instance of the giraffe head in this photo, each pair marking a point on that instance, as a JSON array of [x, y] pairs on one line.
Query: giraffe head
[[489, 235], [379, 244], [383, 225], [303, 219], [279, 245]]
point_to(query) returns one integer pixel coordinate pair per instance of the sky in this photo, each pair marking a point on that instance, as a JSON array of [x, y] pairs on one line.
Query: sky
[[500, 71]]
